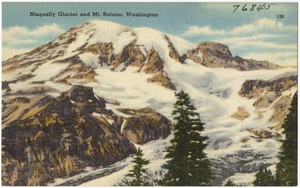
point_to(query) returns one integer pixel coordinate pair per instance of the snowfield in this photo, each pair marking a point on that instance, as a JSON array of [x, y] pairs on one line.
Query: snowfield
[[225, 133]]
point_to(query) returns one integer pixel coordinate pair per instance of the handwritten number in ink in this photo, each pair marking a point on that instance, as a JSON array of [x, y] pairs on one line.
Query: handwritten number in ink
[[260, 7], [244, 8], [253, 6], [269, 6], [237, 6]]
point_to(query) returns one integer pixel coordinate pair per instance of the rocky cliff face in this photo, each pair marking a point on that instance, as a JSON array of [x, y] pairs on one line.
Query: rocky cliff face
[[145, 125], [217, 55], [270, 93], [23, 103], [257, 88], [63, 135]]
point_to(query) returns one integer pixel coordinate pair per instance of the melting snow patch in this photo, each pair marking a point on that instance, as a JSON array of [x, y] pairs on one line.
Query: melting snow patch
[[106, 31], [182, 46], [123, 40], [79, 41], [132, 90], [90, 59], [150, 38], [58, 86], [53, 94], [242, 179], [48, 70]]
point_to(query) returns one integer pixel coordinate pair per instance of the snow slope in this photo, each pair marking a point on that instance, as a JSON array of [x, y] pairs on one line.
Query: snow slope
[[225, 133], [215, 94]]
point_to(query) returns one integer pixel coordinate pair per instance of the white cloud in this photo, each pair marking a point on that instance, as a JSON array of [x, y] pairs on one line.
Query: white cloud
[[11, 52], [263, 33], [21, 35], [17, 41], [47, 30], [195, 30], [248, 38], [280, 58], [263, 25], [258, 37], [289, 62], [15, 38], [255, 42]]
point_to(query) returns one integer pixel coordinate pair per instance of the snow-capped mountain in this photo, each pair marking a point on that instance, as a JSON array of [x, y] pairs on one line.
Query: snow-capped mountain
[[243, 102]]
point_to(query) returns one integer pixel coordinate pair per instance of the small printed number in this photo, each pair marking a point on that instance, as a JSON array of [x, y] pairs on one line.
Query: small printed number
[[280, 16]]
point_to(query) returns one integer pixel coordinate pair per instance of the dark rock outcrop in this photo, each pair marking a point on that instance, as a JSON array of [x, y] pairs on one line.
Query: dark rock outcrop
[[240, 114], [5, 85], [281, 110], [255, 88], [216, 55], [266, 92], [61, 139], [145, 125], [163, 80], [173, 52], [77, 69], [264, 134], [104, 50], [130, 55], [154, 63]]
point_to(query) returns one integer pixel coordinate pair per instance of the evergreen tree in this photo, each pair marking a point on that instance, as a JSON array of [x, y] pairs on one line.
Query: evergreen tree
[[187, 164], [286, 173], [264, 177], [138, 171], [230, 183]]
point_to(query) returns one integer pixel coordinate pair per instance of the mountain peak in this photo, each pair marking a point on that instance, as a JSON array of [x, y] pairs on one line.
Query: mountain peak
[[217, 55], [105, 23], [216, 47], [78, 39], [87, 46]]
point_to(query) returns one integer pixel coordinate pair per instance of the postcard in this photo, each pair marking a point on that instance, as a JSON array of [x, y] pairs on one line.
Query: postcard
[[149, 94]]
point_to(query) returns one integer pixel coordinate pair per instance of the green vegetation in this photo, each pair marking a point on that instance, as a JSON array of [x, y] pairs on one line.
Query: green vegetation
[[286, 172], [137, 173], [264, 178], [286, 169], [230, 183], [187, 164]]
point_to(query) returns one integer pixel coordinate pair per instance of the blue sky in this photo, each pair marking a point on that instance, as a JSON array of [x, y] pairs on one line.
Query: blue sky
[[251, 34]]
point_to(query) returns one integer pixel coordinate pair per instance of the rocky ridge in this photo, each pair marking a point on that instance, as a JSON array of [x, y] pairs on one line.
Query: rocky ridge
[[79, 49], [269, 93], [216, 55], [64, 135], [145, 125]]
